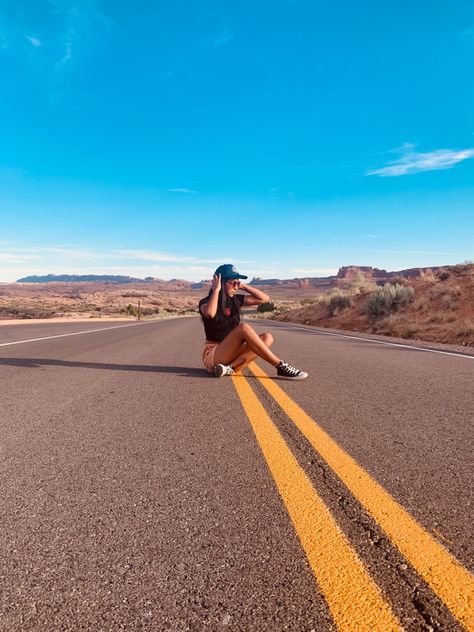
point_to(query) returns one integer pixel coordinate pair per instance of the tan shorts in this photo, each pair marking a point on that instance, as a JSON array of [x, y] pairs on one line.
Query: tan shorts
[[208, 355]]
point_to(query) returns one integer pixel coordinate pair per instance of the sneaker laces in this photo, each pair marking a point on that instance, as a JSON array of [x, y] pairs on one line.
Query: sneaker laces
[[287, 368]]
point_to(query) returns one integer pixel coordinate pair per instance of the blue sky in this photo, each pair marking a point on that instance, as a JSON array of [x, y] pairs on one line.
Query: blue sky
[[290, 137]]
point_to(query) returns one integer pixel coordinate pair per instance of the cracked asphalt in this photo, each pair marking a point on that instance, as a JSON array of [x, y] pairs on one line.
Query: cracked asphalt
[[135, 495]]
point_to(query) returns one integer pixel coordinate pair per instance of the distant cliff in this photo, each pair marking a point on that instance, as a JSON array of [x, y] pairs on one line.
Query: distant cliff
[[62, 278], [375, 274], [344, 275]]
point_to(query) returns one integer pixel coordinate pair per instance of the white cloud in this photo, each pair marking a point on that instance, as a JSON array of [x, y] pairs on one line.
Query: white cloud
[[316, 271], [189, 273], [82, 30], [181, 191], [11, 257], [16, 262], [34, 41], [147, 255], [73, 29], [262, 273], [400, 252], [72, 252], [221, 41], [415, 162], [67, 55]]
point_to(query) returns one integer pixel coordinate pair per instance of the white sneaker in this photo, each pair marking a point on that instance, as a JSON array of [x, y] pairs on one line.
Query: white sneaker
[[223, 369]]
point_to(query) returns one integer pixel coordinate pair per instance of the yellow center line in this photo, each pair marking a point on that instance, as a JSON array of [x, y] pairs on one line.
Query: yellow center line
[[354, 600], [444, 574]]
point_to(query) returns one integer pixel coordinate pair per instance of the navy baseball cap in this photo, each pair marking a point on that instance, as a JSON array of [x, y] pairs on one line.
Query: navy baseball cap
[[228, 271]]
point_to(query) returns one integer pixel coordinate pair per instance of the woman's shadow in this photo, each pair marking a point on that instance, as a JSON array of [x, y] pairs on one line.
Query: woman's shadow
[[36, 363]]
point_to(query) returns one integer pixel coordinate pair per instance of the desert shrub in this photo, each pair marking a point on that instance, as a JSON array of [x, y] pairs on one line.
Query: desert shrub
[[387, 325], [410, 331], [450, 299], [435, 318], [130, 310], [359, 283], [428, 276], [466, 329], [421, 305], [388, 298], [461, 269], [437, 291], [308, 301], [335, 301], [399, 280], [443, 275], [338, 301], [146, 311], [266, 307]]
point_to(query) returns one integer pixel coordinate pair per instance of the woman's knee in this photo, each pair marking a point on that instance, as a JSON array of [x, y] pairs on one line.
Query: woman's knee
[[267, 339], [245, 329]]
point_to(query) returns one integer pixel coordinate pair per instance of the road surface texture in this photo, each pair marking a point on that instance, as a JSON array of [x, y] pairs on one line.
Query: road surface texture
[[140, 493]]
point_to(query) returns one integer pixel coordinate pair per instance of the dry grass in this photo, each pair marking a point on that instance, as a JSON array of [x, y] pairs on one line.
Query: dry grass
[[94, 300], [442, 310], [410, 331], [388, 325], [335, 301], [360, 284], [388, 298], [450, 301], [466, 330]]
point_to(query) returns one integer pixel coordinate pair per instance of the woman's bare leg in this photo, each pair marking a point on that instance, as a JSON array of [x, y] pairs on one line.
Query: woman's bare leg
[[230, 347], [246, 355]]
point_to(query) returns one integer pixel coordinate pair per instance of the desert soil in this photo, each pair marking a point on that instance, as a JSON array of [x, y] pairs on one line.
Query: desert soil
[[442, 309]]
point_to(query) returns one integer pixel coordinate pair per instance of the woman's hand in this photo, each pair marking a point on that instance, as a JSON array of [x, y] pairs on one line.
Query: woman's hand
[[216, 282]]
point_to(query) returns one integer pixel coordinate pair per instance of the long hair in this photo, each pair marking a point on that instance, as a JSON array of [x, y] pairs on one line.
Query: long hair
[[223, 295], [222, 302]]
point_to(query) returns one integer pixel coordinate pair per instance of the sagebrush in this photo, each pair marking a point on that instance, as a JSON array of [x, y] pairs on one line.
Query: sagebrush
[[388, 298], [336, 301]]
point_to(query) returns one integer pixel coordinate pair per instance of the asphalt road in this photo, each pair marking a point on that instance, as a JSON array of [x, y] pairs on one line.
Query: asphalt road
[[139, 493]]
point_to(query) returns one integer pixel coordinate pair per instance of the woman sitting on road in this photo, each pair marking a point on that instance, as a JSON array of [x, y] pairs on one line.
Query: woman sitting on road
[[231, 345]]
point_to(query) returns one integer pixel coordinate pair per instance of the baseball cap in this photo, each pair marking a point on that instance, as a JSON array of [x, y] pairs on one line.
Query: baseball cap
[[228, 271]]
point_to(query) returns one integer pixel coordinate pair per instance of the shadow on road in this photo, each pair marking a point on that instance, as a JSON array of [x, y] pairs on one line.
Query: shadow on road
[[184, 371], [36, 363]]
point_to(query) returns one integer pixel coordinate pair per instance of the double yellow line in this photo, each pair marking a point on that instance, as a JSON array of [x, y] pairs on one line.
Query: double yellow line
[[354, 599]]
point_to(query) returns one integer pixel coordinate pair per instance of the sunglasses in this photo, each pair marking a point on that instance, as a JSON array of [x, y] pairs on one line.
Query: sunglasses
[[235, 283]]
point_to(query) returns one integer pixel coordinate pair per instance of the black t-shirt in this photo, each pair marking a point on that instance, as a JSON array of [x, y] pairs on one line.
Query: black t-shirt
[[218, 327]]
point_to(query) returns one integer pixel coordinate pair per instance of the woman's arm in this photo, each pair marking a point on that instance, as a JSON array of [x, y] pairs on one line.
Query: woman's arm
[[257, 297], [209, 309]]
